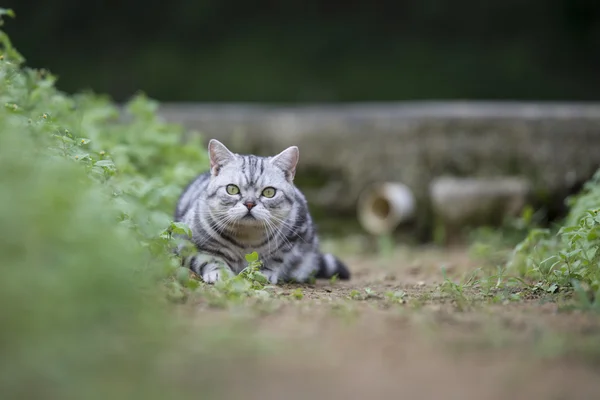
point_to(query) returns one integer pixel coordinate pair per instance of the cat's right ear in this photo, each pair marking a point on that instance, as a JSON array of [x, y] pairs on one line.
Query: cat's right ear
[[287, 161], [219, 155]]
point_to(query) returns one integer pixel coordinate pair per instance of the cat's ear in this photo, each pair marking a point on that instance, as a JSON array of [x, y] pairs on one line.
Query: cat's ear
[[287, 161], [219, 155]]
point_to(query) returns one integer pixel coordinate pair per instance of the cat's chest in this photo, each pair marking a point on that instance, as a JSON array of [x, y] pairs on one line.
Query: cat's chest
[[246, 244], [264, 251], [268, 255]]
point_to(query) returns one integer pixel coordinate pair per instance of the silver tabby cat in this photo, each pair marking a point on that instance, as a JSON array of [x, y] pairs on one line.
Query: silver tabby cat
[[247, 203]]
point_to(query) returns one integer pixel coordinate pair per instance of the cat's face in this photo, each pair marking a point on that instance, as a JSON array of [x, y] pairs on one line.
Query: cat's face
[[250, 190]]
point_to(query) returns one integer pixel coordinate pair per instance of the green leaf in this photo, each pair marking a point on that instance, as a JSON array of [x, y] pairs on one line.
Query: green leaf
[[252, 257], [65, 139], [180, 228], [573, 253], [105, 163], [260, 278], [552, 289]]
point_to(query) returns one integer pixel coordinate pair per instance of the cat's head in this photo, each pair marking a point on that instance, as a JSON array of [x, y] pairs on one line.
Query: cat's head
[[249, 190]]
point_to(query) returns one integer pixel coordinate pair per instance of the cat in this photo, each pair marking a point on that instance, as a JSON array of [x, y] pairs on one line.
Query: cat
[[247, 203]]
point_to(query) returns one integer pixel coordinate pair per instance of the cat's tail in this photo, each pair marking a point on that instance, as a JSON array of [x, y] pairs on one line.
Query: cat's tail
[[330, 265]]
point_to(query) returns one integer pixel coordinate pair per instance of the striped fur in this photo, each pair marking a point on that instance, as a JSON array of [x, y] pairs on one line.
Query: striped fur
[[228, 225]]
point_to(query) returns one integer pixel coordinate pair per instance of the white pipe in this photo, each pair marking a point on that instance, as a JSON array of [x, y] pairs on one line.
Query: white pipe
[[382, 207]]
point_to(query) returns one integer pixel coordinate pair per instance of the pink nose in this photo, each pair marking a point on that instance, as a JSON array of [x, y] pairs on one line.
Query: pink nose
[[249, 205]]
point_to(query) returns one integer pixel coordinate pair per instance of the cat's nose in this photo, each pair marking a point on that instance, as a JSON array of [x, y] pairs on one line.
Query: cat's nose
[[249, 205]]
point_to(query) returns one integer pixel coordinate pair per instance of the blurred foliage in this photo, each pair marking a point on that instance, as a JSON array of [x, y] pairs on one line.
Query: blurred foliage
[[74, 322], [140, 161], [317, 51], [86, 244], [495, 244]]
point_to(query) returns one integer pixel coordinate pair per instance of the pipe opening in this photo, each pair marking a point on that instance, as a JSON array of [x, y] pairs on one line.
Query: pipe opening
[[381, 207]]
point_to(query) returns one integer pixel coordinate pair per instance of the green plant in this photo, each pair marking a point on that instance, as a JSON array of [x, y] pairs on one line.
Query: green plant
[[297, 294], [570, 257], [396, 297], [86, 244], [138, 161], [232, 289], [456, 291], [333, 280], [493, 245], [355, 295], [385, 245]]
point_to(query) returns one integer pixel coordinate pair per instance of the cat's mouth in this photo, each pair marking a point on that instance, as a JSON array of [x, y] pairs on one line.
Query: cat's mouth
[[249, 216]]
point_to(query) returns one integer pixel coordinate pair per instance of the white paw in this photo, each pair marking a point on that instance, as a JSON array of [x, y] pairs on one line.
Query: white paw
[[211, 276], [271, 276]]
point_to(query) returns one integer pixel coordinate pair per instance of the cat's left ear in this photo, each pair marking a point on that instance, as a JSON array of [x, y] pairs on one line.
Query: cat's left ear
[[219, 155], [287, 161]]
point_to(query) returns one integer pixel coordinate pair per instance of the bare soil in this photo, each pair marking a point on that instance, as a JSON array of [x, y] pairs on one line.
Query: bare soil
[[340, 342]]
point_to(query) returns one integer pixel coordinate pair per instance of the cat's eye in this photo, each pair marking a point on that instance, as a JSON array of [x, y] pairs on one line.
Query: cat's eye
[[232, 190], [268, 192]]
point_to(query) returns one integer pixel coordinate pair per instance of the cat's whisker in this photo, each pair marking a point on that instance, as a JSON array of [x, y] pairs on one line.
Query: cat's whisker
[[288, 225], [219, 224], [266, 228], [280, 234]]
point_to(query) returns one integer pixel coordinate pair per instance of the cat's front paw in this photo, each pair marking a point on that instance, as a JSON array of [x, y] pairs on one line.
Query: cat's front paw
[[271, 276], [216, 271], [210, 268], [212, 275]]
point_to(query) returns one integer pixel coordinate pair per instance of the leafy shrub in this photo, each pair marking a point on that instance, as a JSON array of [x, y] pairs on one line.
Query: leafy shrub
[[72, 300], [138, 161], [571, 256], [85, 239]]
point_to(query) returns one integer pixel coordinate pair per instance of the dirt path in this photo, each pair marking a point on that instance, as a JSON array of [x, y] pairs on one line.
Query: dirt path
[[391, 333]]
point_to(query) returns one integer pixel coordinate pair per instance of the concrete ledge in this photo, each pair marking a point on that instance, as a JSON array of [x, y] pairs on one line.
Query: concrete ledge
[[345, 147]]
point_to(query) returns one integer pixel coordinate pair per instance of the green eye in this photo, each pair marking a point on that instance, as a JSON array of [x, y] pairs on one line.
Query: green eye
[[268, 192], [232, 189]]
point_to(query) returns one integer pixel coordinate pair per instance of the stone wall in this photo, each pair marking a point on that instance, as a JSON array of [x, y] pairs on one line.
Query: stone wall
[[343, 148]]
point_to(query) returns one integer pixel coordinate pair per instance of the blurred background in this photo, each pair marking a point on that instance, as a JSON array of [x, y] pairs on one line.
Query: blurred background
[[421, 124], [316, 51], [211, 63]]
